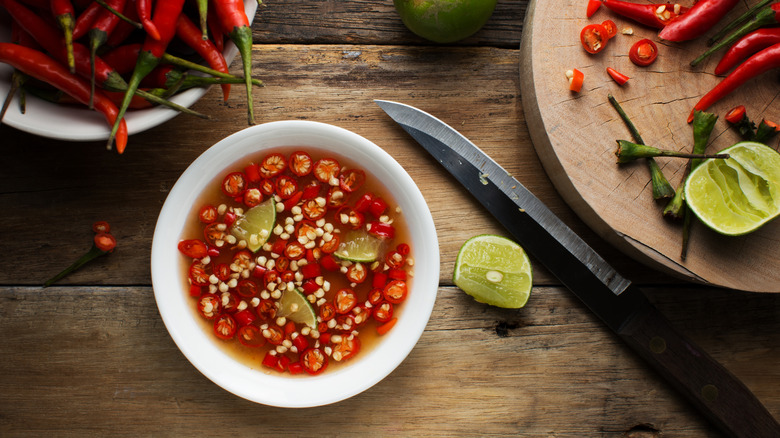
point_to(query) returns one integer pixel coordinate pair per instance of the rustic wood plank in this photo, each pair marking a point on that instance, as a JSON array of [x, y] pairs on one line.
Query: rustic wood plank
[[74, 184], [369, 22], [97, 360]]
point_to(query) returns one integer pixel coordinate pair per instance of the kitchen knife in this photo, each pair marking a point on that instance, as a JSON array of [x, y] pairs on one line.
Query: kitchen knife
[[718, 394]]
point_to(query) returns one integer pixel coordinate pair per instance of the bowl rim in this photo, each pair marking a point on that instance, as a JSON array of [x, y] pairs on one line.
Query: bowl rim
[[78, 124], [253, 383]]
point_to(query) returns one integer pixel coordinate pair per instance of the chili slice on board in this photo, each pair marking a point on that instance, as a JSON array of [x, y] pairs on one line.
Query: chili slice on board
[[643, 52], [594, 38]]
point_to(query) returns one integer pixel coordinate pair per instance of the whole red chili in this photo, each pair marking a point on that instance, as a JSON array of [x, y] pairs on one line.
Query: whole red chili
[[188, 32], [66, 18], [85, 19], [698, 20], [105, 23], [653, 15], [166, 13], [44, 68], [235, 23], [767, 16], [747, 45], [144, 10], [757, 64]]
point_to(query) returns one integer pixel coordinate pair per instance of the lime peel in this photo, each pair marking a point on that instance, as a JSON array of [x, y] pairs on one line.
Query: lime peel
[[494, 270]]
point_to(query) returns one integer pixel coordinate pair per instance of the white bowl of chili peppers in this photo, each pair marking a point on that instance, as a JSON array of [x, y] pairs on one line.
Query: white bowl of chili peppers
[[225, 300], [50, 112]]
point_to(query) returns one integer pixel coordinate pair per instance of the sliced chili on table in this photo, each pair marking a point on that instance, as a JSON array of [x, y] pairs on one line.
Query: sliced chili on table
[[594, 38], [618, 77], [643, 52]]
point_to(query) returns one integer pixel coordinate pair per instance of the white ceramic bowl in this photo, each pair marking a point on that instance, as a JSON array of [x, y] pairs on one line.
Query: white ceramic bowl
[[75, 123], [371, 365]]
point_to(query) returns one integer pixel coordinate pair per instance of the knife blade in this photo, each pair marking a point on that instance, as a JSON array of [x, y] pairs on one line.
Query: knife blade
[[623, 307]]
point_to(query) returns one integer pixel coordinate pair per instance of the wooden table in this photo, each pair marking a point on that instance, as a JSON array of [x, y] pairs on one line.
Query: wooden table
[[90, 355]]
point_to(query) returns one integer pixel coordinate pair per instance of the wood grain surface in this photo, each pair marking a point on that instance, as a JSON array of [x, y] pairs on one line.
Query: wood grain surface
[[575, 135], [90, 356]]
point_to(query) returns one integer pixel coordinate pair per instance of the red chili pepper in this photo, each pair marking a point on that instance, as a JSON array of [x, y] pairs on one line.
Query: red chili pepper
[[144, 10], [234, 21], [188, 32], [747, 45], [736, 115], [65, 14], [42, 67], [653, 15], [643, 52], [618, 77], [757, 64], [698, 20], [122, 58], [105, 23], [767, 16], [593, 6], [103, 243], [85, 19], [594, 38], [124, 29], [576, 79], [166, 13]]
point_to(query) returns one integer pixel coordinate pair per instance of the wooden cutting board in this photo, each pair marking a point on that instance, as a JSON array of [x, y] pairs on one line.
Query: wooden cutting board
[[575, 137]]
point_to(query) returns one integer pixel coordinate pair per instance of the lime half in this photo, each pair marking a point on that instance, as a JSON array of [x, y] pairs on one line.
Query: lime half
[[494, 270], [256, 224], [294, 306], [739, 194], [359, 246]]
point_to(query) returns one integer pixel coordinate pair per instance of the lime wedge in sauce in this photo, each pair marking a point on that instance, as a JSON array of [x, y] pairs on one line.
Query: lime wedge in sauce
[[256, 224]]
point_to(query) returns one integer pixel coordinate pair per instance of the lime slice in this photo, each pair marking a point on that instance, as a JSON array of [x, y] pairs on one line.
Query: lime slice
[[494, 270], [256, 224], [739, 194], [359, 246], [295, 307]]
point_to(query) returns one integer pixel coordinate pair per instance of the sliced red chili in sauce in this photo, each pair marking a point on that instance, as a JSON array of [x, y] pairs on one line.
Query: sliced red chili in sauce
[[234, 184], [193, 248], [225, 327], [351, 180], [209, 306], [286, 186], [301, 163], [251, 336], [314, 361], [197, 274], [345, 301], [272, 165], [395, 291], [326, 169], [383, 312]]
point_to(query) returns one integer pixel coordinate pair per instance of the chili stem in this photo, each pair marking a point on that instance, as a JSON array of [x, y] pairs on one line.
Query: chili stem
[[175, 60], [628, 151], [764, 17], [703, 124], [661, 186], [17, 79], [738, 22], [203, 12], [121, 16], [93, 253]]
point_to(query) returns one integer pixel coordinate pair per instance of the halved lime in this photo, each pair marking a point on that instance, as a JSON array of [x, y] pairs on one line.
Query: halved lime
[[359, 246], [737, 195], [294, 306], [256, 224], [494, 270]]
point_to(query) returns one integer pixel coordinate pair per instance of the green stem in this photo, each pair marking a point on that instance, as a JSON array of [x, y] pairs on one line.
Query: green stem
[[738, 22], [93, 253], [629, 151], [242, 37], [764, 17], [175, 60], [765, 132], [144, 65], [121, 16], [661, 187], [203, 11], [17, 80]]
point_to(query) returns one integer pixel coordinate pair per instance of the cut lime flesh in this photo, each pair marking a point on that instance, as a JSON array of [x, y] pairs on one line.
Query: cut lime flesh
[[737, 195], [255, 226], [494, 270], [294, 306], [359, 246]]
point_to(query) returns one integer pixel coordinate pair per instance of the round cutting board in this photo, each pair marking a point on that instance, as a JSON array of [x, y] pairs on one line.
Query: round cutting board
[[575, 137]]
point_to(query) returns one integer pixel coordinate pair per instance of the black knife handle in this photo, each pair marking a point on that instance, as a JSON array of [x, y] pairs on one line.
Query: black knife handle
[[717, 393]]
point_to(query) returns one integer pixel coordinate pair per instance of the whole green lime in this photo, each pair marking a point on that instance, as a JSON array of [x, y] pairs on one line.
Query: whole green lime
[[444, 21]]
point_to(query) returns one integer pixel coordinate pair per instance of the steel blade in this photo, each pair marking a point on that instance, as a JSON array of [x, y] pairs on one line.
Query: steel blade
[[526, 218]]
